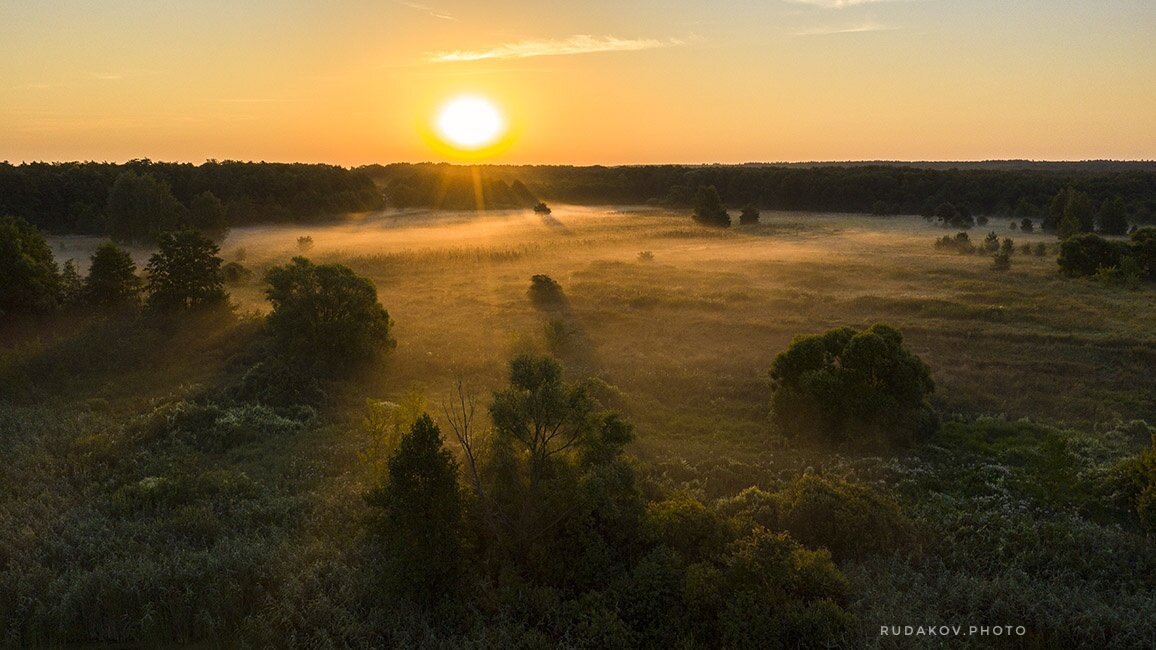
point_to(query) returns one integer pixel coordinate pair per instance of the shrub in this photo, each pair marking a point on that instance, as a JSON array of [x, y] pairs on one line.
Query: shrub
[[749, 215], [1143, 248], [684, 524], [844, 384], [991, 242], [960, 243], [304, 243], [1026, 225], [1082, 254], [325, 314], [559, 335], [646, 256], [1001, 261], [1041, 249], [545, 291], [709, 209], [236, 273]]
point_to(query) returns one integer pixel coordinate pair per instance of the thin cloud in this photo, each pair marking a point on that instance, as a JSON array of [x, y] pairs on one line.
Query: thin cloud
[[838, 4], [417, 6], [854, 29], [579, 44]]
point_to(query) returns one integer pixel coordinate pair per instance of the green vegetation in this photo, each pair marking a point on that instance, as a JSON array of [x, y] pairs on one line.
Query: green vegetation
[[850, 385], [112, 279], [29, 277], [222, 477], [185, 273], [709, 209]]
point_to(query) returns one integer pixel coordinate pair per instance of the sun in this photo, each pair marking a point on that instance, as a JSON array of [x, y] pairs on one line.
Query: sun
[[470, 123]]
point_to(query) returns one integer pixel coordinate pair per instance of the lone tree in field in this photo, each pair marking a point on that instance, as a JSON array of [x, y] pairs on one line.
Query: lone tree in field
[[848, 385], [749, 216], [112, 278], [326, 314], [420, 515], [185, 273], [709, 209], [29, 278]]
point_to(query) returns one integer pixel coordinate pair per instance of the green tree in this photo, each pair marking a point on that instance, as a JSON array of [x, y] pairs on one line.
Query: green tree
[[1143, 249], [112, 278], [420, 511], [207, 214], [1026, 225], [140, 208], [71, 286], [1083, 254], [326, 314], [185, 273], [1078, 215], [29, 278], [749, 215], [845, 384], [709, 209], [1113, 218]]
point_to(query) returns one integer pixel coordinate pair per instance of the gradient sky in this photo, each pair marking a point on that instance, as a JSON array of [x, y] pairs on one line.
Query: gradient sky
[[594, 82]]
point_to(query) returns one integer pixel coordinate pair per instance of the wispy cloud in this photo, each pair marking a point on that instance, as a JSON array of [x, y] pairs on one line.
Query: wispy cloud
[[417, 6], [853, 29], [578, 44], [838, 4]]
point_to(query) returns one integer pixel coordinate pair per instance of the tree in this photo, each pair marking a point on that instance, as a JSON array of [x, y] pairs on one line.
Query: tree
[[1143, 249], [844, 384], [140, 208], [420, 515], [29, 278], [71, 286], [749, 216], [1078, 215], [185, 273], [207, 214], [326, 314], [1083, 254], [709, 209], [1026, 225], [112, 278], [1113, 218]]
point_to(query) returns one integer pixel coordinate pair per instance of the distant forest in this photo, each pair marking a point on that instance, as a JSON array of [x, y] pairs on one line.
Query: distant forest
[[135, 200], [844, 187]]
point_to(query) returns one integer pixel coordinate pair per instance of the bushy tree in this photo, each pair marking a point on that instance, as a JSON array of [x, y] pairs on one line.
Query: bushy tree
[[420, 516], [112, 278], [1081, 255], [29, 278], [1143, 249], [1078, 215], [953, 217], [71, 285], [709, 209], [749, 215], [185, 273], [844, 385], [545, 291], [141, 207], [1026, 225], [326, 314]]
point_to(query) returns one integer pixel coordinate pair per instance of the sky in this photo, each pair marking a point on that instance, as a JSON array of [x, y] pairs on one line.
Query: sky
[[610, 82]]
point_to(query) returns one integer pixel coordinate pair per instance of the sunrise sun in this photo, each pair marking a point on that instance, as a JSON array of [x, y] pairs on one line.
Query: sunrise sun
[[469, 122]]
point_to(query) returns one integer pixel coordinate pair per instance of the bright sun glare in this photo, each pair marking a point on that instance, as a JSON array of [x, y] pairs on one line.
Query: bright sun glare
[[470, 122]]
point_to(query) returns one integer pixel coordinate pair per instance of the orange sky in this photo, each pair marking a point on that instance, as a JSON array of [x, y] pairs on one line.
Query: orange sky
[[357, 81]]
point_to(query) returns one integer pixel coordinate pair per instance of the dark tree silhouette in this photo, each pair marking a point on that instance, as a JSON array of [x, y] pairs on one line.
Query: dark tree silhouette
[[112, 278], [749, 215], [1113, 218], [185, 273], [29, 278], [207, 214], [140, 207], [709, 209]]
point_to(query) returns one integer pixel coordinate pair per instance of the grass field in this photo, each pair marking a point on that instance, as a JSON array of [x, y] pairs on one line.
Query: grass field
[[115, 528]]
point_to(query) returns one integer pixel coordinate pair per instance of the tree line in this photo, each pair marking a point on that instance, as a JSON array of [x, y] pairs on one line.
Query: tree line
[[141, 198]]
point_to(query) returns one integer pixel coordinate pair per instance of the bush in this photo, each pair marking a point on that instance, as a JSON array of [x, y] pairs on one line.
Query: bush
[[646, 256], [709, 209], [1001, 261], [236, 273], [325, 314], [1041, 249], [1143, 246], [545, 291], [960, 243], [846, 385], [1082, 254], [749, 216]]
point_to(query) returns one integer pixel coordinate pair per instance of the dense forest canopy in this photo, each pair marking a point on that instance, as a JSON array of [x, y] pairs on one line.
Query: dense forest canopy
[[139, 198]]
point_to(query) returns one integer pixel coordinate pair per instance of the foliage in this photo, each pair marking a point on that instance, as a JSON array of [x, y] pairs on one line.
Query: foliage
[[849, 385], [1026, 225], [709, 209], [112, 278], [545, 291], [1082, 254], [29, 277], [325, 314], [645, 256], [1143, 244], [71, 284], [991, 242], [1113, 217], [1001, 261], [185, 273], [953, 217], [749, 215], [960, 243], [1135, 481], [304, 243], [541, 208], [420, 518], [235, 273], [141, 207], [1078, 215], [207, 214]]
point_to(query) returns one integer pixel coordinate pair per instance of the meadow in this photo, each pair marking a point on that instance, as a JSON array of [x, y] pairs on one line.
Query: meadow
[[115, 528]]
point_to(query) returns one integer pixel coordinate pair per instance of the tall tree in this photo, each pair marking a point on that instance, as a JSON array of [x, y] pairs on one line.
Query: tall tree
[[140, 207], [185, 272], [207, 214], [29, 277], [709, 209], [420, 515], [112, 278], [1113, 218], [1078, 216]]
